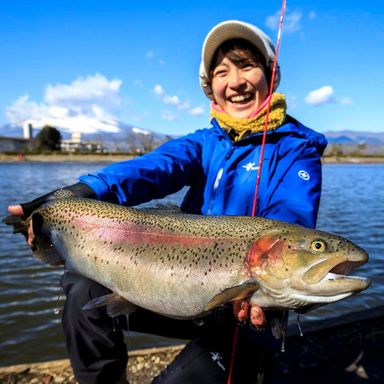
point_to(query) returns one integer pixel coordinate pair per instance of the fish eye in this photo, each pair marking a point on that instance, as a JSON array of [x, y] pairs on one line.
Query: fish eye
[[318, 245]]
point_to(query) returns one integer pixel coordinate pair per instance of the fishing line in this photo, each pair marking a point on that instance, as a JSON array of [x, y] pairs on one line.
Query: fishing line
[[261, 158], [284, 329], [271, 87], [299, 324], [56, 309]]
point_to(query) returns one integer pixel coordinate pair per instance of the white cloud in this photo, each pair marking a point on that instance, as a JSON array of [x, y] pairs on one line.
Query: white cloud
[[312, 15], [87, 105], [184, 105], [88, 89], [325, 95], [321, 95], [272, 22], [149, 55], [197, 111], [58, 111], [23, 109], [158, 90], [291, 22], [173, 100]]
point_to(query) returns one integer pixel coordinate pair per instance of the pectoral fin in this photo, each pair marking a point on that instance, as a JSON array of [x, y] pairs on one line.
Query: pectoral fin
[[116, 305], [230, 294]]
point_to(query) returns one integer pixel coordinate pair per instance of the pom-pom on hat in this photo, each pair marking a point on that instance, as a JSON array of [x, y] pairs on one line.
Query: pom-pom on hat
[[234, 29]]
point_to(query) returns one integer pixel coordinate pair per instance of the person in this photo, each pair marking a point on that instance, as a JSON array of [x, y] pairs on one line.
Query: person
[[219, 164]]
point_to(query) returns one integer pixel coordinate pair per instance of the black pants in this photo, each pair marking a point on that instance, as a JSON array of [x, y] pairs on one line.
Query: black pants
[[98, 354]]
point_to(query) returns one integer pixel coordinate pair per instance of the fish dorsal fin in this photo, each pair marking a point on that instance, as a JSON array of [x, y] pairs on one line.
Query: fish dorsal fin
[[62, 194], [116, 305], [238, 292], [163, 208]]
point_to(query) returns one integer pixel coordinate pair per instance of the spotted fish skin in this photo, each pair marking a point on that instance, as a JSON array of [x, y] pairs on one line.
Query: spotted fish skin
[[183, 265]]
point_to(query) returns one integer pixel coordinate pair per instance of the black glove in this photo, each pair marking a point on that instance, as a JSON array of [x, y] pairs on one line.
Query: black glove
[[79, 189]]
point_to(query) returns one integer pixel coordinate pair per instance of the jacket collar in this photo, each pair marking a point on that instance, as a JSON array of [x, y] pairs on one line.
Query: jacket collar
[[291, 127]]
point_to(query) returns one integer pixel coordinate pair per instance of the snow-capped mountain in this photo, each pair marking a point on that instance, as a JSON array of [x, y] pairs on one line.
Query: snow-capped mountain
[[127, 137], [131, 138]]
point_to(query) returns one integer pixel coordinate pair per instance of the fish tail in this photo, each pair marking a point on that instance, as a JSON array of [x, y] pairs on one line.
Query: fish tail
[[19, 224]]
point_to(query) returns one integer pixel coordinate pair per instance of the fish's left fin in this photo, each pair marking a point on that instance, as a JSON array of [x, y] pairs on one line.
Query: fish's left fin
[[230, 294], [116, 305]]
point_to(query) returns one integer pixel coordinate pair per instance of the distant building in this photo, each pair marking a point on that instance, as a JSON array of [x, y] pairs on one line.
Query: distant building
[[14, 144], [74, 144], [27, 130], [18, 144]]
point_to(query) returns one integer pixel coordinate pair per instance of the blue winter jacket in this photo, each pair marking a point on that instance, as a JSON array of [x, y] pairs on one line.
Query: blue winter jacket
[[221, 174]]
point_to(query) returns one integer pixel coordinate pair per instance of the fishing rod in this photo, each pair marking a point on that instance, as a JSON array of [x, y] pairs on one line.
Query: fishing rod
[[260, 165], [271, 87]]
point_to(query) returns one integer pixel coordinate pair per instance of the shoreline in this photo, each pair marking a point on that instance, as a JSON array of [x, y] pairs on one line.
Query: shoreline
[[62, 158], [112, 157], [343, 349], [143, 366]]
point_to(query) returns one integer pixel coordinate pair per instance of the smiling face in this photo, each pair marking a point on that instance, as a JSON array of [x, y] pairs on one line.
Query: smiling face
[[238, 82]]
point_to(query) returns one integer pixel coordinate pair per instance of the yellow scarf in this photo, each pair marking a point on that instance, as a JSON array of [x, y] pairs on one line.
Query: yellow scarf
[[240, 128]]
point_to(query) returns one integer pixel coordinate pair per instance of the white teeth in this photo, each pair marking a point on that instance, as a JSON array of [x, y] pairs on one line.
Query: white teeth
[[240, 98]]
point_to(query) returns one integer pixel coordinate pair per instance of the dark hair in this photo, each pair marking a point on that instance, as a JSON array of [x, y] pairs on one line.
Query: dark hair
[[240, 52]]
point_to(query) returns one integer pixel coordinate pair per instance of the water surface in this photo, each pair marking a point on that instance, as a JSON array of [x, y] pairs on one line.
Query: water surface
[[352, 205]]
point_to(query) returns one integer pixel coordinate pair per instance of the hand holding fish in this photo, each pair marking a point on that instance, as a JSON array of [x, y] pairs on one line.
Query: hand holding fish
[[26, 209], [17, 210], [243, 311]]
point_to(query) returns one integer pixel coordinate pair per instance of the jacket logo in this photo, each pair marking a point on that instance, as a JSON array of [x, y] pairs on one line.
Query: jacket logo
[[304, 175], [216, 357], [251, 167]]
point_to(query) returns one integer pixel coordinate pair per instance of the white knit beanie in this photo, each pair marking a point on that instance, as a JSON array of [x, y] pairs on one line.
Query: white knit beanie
[[234, 29]]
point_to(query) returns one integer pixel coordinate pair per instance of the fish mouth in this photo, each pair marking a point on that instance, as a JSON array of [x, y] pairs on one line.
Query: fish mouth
[[334, 285], [333, 269], [340, 274], [344, 268]]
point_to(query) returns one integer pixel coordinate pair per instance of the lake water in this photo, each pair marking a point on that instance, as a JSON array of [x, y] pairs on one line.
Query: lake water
[[352, 205]]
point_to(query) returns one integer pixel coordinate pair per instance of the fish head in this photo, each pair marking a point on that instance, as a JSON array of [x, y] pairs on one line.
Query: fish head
[[298, 267]]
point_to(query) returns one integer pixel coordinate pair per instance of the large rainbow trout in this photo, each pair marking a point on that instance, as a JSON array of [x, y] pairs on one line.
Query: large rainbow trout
[[183, 265]]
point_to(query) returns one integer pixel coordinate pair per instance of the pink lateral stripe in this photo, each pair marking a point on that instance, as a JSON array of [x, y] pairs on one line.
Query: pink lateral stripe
[[130, 233]]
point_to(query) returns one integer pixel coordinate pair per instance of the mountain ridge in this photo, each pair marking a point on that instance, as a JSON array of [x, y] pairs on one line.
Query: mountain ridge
[[132, 133]]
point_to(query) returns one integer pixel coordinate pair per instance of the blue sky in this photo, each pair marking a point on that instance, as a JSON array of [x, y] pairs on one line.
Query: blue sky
[[85, 64]]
